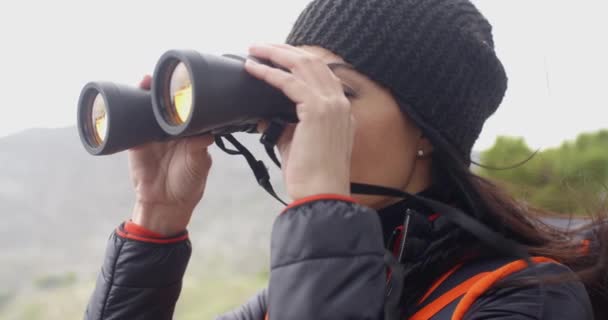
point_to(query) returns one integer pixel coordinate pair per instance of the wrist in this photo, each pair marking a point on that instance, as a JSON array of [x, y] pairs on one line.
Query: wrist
[[318, 197], [315, 187], [162, 219]]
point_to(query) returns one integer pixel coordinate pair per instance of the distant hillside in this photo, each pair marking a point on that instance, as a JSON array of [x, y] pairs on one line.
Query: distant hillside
[[59, 204]]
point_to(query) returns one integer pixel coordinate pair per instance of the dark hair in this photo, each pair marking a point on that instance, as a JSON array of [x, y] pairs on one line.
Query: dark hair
[[494, 207]]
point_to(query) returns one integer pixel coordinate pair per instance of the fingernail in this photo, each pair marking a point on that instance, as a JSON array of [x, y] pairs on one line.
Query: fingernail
[[256, 46], [250, 62]]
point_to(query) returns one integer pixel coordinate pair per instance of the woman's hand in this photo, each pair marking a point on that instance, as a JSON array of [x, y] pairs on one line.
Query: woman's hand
[[169, 179], [316, 154]]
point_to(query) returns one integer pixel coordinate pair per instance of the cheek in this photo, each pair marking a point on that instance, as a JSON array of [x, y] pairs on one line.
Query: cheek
[[284, 143], [384, 148]]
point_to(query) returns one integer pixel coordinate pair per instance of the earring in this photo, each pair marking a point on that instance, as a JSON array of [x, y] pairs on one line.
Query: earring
[[420, 153]]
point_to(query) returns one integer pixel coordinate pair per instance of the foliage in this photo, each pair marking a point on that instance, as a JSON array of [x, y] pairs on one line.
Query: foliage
[[209, 296], [572, 178]]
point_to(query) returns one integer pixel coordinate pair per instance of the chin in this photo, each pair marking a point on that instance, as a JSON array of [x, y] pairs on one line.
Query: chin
[[368, 201]]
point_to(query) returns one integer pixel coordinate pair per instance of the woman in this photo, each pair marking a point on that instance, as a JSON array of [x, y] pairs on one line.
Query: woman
[[389, 93]]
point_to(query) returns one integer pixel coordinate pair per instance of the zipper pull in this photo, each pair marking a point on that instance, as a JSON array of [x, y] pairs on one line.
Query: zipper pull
[[406, 225]]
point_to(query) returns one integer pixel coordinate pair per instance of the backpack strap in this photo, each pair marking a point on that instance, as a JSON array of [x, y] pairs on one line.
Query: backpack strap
[[439, 282], [465, 292], [438, 304], [488, 281]]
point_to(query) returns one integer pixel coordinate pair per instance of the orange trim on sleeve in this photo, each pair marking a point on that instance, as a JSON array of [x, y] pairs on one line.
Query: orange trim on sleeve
[[481, 286], [302, 201], [134, 228], [438, 304], [439, 282], [131, 236]]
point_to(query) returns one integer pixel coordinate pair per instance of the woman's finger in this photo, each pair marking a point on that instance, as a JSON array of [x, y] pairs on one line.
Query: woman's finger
[[202, 141], [320, 68], [311, 69], [290, 48], [292, 87], [198, 145], [283, 57], [146, 82]]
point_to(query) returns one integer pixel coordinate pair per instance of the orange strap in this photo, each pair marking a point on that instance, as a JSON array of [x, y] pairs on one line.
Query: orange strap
[[439, 282], [438, 304], [472, 289], [484, 284]]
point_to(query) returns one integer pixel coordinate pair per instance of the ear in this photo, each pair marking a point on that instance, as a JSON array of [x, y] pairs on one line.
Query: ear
[[425, 145]]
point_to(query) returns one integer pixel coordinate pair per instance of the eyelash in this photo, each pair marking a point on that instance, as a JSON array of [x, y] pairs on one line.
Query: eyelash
[[349, 93]]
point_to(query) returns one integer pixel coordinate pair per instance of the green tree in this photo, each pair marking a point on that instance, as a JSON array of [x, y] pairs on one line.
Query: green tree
[[570, 178]]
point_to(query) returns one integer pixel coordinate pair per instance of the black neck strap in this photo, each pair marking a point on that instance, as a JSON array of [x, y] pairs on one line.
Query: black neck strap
[[458, 217], [257, 166], [271, 136], [455, 215]]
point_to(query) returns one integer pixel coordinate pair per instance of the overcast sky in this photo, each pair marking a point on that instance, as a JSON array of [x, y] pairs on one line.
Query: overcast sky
[[555, 52]]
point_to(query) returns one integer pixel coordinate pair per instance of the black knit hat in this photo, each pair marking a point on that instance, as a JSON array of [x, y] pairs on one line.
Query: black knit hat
[[436, 56]]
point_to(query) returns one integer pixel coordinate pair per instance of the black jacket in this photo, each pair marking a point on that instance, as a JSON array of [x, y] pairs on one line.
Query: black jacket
[[326, 263]]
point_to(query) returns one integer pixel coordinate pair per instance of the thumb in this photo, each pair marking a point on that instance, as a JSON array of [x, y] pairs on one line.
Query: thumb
[[200, 142], [197, 153]]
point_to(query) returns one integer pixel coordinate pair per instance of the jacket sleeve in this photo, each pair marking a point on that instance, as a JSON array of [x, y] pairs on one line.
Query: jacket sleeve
[[254, 309], [140, 278], [327, 261]]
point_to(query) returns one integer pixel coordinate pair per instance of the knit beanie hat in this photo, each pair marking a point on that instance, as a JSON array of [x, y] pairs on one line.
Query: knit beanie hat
[[435, 56]]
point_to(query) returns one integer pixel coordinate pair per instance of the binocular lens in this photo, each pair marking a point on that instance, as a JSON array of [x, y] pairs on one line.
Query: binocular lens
[[99, 119], [180, 88]]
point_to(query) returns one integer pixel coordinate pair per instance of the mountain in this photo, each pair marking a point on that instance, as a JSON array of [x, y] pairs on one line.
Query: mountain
[[58, 205]]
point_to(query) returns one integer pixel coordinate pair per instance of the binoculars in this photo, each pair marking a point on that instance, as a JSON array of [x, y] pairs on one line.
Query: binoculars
[[191, 94]]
